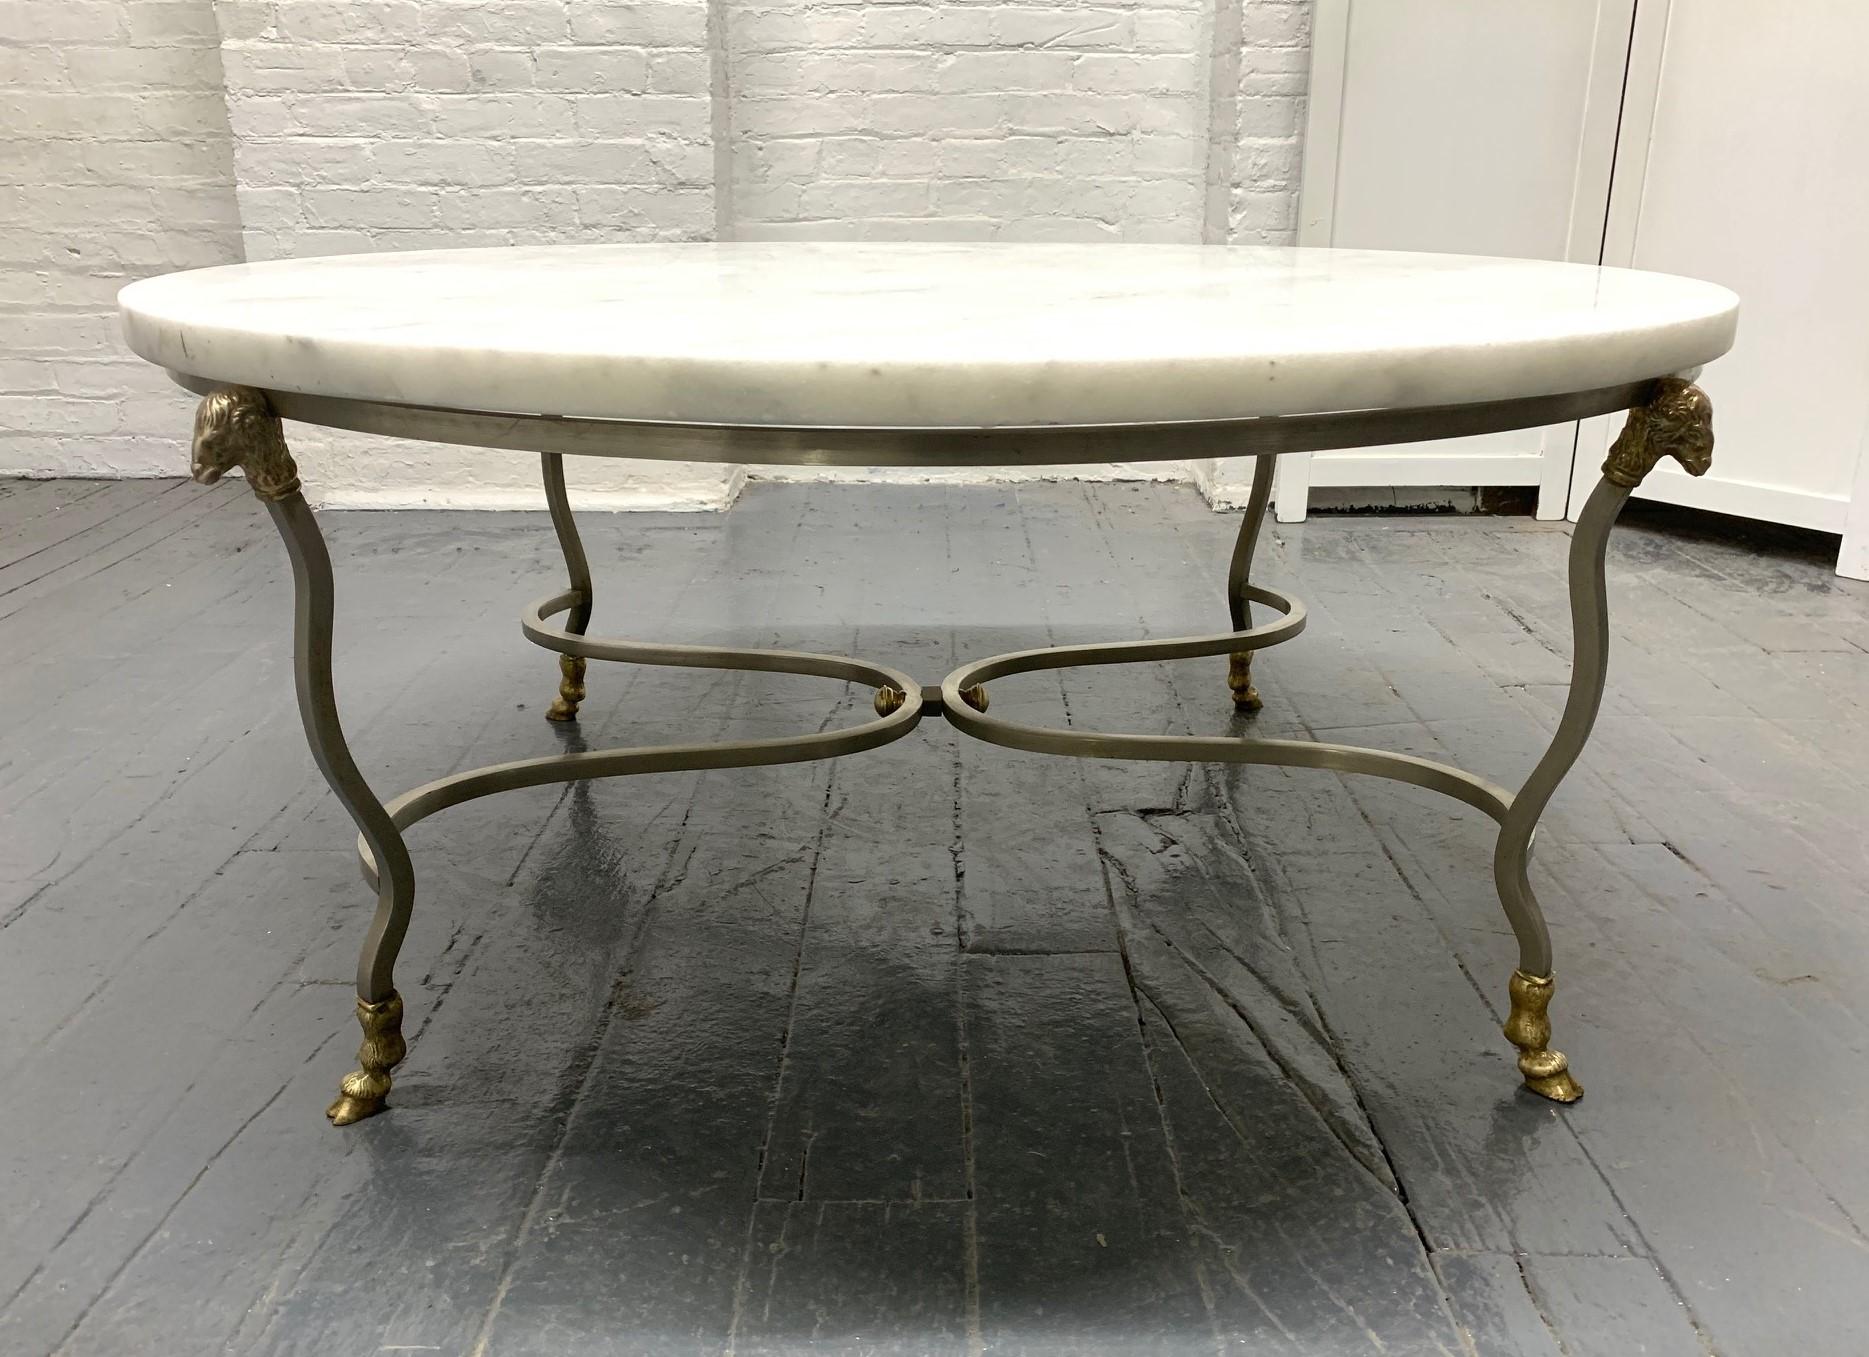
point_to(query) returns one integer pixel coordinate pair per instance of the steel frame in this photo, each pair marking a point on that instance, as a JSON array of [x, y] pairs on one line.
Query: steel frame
[[241, 426]]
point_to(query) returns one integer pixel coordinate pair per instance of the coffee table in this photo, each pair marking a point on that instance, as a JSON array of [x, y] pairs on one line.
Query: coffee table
[[933, 356]]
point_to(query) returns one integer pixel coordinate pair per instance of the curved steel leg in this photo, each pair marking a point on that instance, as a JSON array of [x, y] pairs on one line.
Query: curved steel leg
[[1676, 421], [570, 667], [236, 427], [1239, 581]]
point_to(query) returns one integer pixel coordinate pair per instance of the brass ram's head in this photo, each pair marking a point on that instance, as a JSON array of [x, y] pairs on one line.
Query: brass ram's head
[[235, 427], [1680, 425]]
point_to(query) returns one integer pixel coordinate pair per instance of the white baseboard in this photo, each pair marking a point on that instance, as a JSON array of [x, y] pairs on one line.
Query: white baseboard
[[648, 499], [1745, 499], [1224, 498], [494, 500], [710, 498], [1418, 469], [970, 475]]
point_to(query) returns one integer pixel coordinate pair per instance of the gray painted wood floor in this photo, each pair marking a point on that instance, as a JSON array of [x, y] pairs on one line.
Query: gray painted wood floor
[[942, 1048]]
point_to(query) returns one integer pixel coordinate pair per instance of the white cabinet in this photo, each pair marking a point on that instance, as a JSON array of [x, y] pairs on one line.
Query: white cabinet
[[1466, 126], [1745, 160], [1703, 137]]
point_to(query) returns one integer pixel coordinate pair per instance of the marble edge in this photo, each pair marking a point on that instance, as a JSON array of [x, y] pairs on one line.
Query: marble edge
[[982, 394]]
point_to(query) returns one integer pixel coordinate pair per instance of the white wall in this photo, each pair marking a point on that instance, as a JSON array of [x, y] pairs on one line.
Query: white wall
[[1259, 73], [115, 162], [394, 125], [274, 128], [967, 121]]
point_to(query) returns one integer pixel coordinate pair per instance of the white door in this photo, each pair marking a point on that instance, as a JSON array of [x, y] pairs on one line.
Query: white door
[[1745, 160], [1471, 127]]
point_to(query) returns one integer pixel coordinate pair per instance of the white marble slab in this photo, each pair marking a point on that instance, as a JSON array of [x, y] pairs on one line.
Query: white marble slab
[[924, 335]]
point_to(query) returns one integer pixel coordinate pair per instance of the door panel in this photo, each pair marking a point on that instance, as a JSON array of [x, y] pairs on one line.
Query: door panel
[[1463, 126], [1743, 161]]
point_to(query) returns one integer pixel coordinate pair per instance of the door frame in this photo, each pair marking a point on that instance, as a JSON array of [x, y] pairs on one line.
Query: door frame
[[1853, 556]]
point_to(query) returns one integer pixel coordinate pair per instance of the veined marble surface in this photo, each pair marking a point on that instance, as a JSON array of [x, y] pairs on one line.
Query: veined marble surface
[[924, 335]]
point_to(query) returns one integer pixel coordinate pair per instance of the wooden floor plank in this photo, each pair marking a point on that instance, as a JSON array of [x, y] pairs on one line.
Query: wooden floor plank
[[30, 500], [893, 1272], [949, 1048], [89, 509], [1491, 1297], [153, 516], [1081, 1235]]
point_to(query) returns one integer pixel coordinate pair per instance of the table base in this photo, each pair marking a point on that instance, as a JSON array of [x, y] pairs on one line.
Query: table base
[[240, 426]]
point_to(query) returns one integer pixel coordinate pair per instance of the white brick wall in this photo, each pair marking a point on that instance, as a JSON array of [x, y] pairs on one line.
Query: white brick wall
[[1273, 59], [393, 125], [1261, 65], [1031, 121], [138, 136], [115, 163]]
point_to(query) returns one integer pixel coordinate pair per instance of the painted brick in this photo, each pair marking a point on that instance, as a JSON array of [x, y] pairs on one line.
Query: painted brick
[[106, 68], [658, 23], [169, 23], [964, 72], [117, 161], [1036, 121], [587, 69], [91, 379], [501, 69], [528, 113], [436, 163], [368, 207], [1274, 23], [1168, 30], [75, 21], [680, 73], [354, 115], [554, 209], [138, 136], [525, 23], [309, 23], [1061, 26]]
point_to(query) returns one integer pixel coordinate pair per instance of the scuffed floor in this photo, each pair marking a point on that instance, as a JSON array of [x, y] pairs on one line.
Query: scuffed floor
[[941, 1048]]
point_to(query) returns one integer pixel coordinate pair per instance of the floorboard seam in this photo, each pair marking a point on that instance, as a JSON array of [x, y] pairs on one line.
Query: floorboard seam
[[588, 1058], [1538, 1305], [970, 1241], [1648, 1250], [1335, 1049], [210, 500], [142, 1244], [1189, 1214], [77, 533], [743, 1282]]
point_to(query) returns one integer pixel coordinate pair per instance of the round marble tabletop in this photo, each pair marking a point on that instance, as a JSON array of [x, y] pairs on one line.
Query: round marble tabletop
[[924, 336]]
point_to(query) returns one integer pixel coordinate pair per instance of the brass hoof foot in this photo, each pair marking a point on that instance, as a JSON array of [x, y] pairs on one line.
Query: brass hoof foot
[[887, 700], [570, 692], [1547, 1072], [975, 696], [1239, 679], [365, 1092], [356, 1102]]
